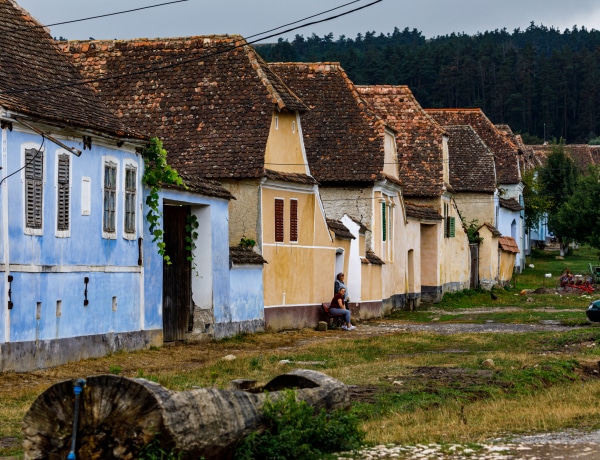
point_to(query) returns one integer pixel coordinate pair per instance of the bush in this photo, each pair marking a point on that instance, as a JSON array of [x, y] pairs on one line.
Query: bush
[[294, 431]]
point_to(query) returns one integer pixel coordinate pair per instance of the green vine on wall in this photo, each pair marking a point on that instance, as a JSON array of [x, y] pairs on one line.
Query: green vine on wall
[[472, 232], [157, 173], [191, 235]]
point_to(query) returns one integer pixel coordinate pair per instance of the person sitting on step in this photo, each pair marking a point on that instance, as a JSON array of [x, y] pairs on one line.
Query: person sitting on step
[[337, 306]]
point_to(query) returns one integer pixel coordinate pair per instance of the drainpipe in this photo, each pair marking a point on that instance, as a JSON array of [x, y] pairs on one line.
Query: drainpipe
[[5, 317]]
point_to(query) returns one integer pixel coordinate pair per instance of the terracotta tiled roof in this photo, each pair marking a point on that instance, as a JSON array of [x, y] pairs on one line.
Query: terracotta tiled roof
[[373, 259], [418, 138], [505, 152], [595, 151], [510, 203], [339, 229], [527, 160], [421, 212], [582, 154], [362, 227], [472, 166], [289, 177], [508, 244], [239, 255], [493, 230], [212, 107], [344, 140], [205, 187], [30, 59]]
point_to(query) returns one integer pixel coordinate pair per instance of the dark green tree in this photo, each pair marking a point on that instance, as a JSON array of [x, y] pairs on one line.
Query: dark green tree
[[558, 178], [579, 216]]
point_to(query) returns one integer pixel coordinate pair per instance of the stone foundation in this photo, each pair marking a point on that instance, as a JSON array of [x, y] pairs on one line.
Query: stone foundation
[[42, 354]]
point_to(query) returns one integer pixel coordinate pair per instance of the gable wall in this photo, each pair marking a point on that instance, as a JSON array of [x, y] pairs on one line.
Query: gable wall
[[244, 211], [284, 151], [476, 206]]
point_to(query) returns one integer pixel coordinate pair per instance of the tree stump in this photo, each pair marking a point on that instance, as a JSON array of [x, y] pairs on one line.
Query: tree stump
[[118, 416]]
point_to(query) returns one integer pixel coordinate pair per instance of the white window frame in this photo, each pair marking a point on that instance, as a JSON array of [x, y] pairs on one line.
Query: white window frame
[[26, 146], [111, 235], [129, 164], [63, 233]]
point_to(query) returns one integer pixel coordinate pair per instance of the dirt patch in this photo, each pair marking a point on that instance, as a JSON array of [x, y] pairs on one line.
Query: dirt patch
[[427, 378]]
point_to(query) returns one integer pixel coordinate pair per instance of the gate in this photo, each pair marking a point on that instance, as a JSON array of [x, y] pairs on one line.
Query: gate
[[177, 291], [474, 266]]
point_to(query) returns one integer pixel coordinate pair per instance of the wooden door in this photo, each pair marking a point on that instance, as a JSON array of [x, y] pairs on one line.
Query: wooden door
[[474, 281], [177, 292]]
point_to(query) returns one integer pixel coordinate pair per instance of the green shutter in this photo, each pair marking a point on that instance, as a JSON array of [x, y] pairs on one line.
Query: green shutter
[[384, 221], [452, 228]]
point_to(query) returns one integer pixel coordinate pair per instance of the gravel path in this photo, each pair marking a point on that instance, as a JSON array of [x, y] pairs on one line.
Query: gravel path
[[459, 328], [572, 444]]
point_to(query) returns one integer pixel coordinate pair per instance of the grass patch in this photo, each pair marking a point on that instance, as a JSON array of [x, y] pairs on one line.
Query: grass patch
[[405, 387]]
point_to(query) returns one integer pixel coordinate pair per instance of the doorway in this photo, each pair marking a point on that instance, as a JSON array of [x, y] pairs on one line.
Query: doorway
[[177, 291]]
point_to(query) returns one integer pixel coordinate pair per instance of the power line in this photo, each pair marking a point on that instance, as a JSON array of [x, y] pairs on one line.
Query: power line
[[308, 17], [186, 61], [99, 16], [28, 163]]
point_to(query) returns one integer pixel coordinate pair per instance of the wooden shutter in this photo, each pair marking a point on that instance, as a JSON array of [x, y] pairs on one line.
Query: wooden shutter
[[279, 220], [130, 193], [294, 220], [451, 227], [34, 183], [446, 222], [63, 198], [384, 221], [110, 198]]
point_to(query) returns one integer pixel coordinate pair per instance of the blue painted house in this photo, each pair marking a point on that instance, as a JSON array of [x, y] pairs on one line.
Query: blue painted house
[[71, 219]]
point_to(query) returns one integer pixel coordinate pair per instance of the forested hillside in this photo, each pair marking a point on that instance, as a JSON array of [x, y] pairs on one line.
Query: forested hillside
[[540, 81]]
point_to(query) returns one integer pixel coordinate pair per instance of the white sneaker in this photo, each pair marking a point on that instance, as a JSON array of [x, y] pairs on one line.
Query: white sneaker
[[351, 328], [344, 327]]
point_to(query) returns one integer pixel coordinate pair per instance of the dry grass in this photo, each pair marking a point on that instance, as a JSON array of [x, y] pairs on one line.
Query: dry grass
[[365, 359], [554, 409]]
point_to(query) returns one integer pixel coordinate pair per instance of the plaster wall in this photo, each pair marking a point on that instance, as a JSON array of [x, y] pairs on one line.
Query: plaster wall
[[70, 289], [302, 272], [456, 257], [284, 151], [515, 191], [488, 259], [353, 266], [507, 264], [355, 202], [476, 206], [244, 211]]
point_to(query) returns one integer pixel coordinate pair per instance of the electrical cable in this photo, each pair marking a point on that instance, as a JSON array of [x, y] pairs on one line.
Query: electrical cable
[[98, 16], [300, 20], [182, 62], [26, 164]]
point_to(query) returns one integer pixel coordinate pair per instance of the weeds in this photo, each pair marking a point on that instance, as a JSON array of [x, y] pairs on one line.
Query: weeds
[[115, 369], [294, 431], [154, 451]]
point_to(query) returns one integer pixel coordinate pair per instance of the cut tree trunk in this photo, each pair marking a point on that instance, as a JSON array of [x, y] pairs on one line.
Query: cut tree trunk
[[118, 416]]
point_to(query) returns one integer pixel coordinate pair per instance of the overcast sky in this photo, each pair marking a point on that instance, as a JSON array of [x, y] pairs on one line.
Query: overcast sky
[[249, 17]]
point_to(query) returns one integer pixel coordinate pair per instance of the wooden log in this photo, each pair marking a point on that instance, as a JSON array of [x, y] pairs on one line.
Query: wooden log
[[118, 416]]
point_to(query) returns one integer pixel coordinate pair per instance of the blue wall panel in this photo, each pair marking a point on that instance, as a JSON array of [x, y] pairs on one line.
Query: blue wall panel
[[247, 300]]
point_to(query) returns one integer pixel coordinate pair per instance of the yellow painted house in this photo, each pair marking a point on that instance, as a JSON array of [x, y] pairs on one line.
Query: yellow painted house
[[352, 152], [224, 115], [440, 250]]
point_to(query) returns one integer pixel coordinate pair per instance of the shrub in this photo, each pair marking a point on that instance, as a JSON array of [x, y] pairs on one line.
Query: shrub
[[294, 431]]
